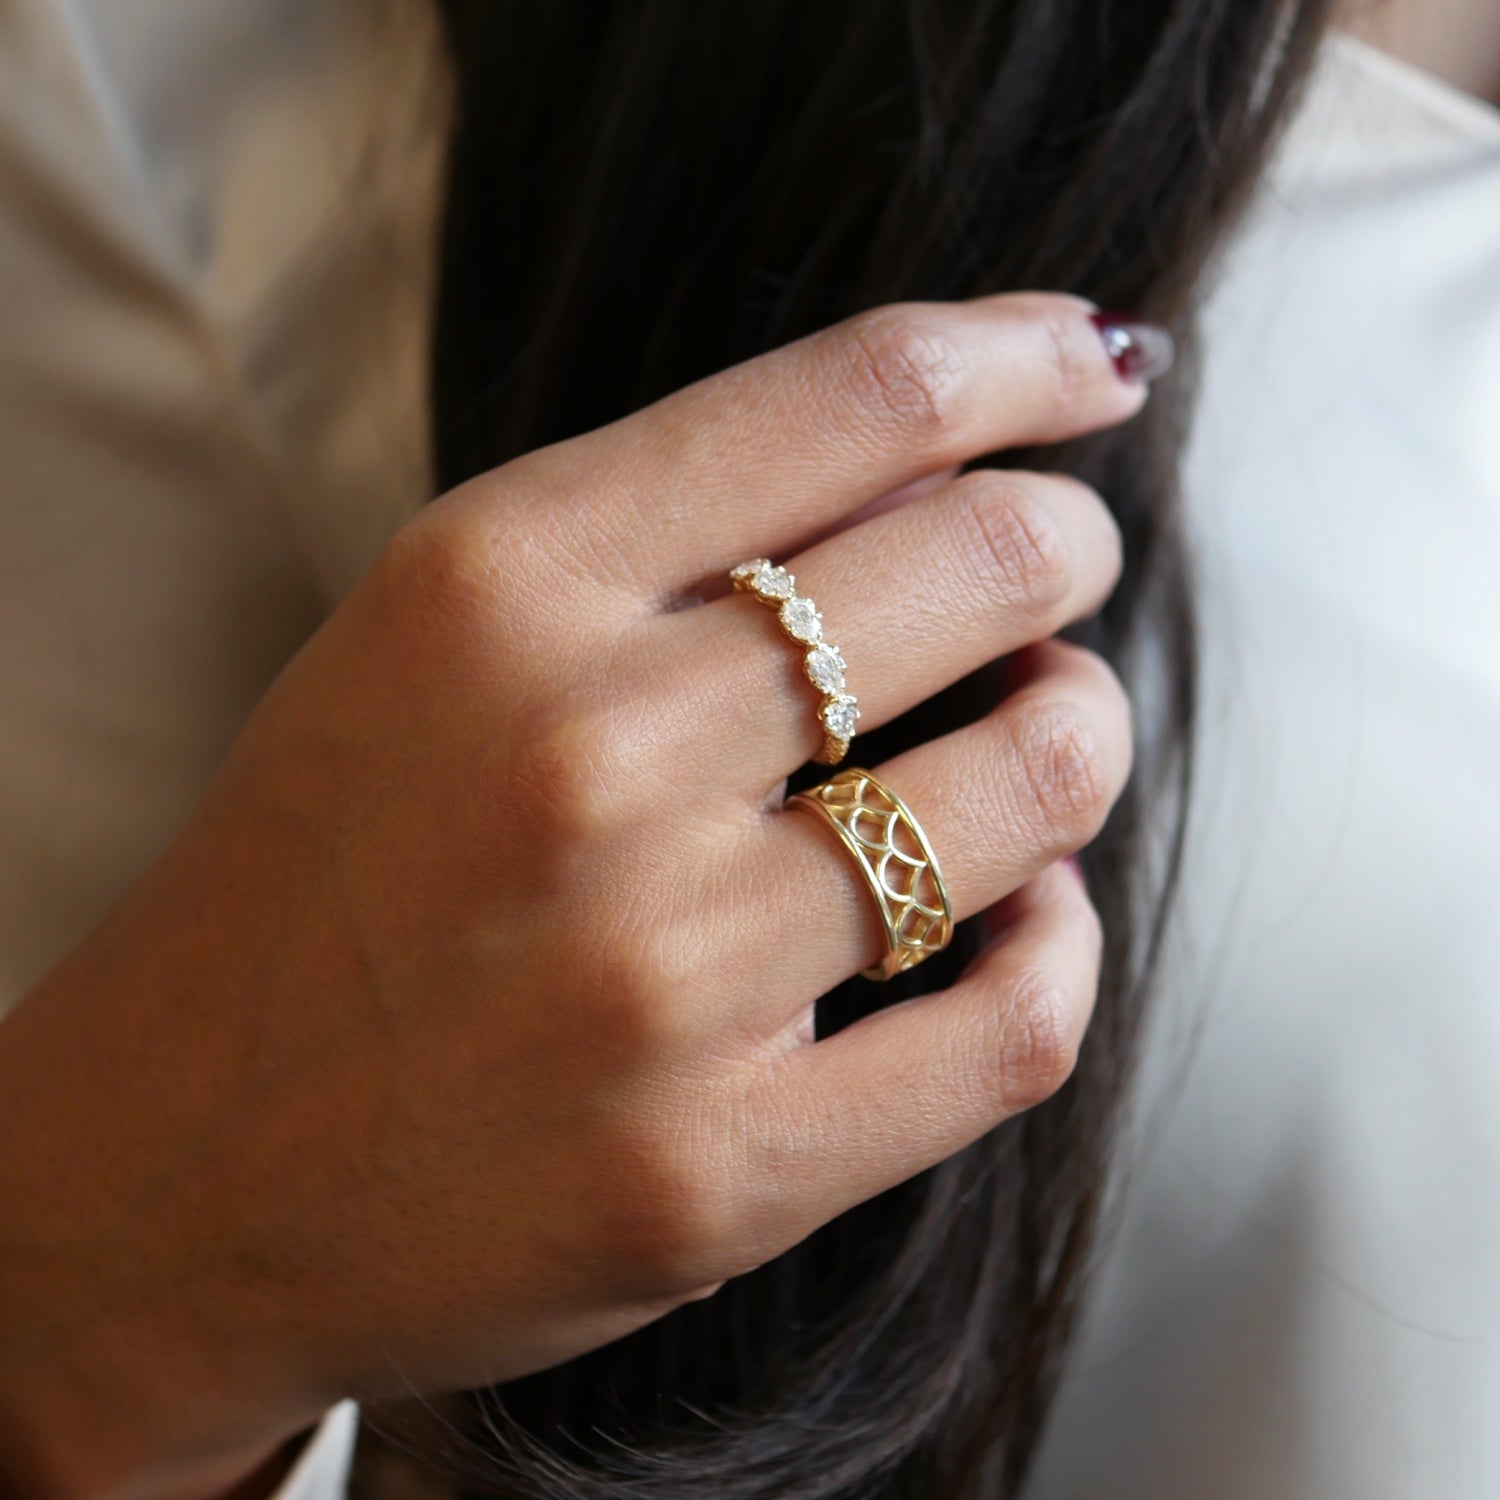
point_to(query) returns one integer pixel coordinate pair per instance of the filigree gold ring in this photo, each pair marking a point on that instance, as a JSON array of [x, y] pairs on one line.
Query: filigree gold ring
[[802, 624], [893, 855]]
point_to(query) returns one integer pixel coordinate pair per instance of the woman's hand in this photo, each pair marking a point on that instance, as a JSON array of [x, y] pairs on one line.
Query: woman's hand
[[467, 1027]]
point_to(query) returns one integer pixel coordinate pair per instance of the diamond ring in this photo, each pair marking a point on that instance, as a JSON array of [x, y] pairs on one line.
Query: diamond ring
[[803, 625]]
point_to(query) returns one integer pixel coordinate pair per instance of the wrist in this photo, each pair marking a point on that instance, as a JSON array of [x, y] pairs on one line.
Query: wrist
[[118, 1413], [128, 1371], [35, 1465], [113, 1406]]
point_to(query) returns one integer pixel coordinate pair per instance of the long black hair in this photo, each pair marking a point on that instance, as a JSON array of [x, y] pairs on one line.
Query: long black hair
[[642, 193]]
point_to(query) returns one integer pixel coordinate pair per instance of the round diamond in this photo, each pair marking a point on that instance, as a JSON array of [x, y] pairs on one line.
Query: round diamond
[[746, 571], [772, 583], [839, 717], [802, 620], [826, 668]]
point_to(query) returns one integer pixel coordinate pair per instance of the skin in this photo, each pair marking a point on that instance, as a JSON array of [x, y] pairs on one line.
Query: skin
[[1458, 40], [467, 1026]]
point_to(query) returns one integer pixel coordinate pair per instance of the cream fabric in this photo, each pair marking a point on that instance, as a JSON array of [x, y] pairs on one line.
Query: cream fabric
[[216, 224], [1304, 1299], [215, 271]]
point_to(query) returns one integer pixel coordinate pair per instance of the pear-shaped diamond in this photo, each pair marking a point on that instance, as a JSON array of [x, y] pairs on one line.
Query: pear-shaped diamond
[[839, 717], [802, 620], [825, 668], [772, 582]]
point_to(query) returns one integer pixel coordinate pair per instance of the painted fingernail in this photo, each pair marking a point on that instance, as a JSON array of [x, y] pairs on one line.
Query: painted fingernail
[[1141, 351]]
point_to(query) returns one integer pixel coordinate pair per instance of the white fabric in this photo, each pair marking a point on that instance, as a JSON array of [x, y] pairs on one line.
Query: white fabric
[[322, 1468], [214, 284], [1304, 1299]]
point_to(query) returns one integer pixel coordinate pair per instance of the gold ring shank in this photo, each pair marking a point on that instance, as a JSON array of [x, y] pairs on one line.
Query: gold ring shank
[[894, 857]]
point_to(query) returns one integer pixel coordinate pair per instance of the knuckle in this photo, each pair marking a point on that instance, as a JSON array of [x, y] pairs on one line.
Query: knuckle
[[441, 569], [573, 775], [591, 763], [1024, 551], [642, 1004], [627, 1017], [693, 1224], [669, 1221], [553, 515], [904, 367], [1062, 766], [1042, 1038]]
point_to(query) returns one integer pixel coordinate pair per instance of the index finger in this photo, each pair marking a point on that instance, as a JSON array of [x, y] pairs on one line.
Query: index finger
[[763, 457]]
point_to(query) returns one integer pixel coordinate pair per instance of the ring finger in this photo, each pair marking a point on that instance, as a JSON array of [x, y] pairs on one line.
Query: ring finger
[[1000, 800]]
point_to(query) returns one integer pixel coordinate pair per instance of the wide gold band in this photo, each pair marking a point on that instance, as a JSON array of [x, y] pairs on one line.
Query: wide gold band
[[893, 855], [802, 624]]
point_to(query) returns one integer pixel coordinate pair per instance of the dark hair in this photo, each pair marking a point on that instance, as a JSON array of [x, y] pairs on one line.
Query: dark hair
[[643, 193]]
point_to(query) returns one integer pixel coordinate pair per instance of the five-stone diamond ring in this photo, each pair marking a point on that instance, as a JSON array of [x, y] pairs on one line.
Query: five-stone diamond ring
[[825, 667]]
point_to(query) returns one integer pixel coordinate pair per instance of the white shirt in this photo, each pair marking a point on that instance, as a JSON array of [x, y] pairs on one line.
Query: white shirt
[[215, 278], [1304, 1298]]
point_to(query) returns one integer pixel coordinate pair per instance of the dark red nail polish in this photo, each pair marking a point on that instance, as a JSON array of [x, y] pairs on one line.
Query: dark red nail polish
[[1141, 351]]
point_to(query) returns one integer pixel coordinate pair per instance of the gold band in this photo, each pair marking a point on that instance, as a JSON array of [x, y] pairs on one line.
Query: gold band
[[802, 624], [893, 855]]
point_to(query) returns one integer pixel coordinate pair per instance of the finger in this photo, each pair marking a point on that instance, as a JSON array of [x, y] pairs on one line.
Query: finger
[[999, 800], [758, 459], [905, 1087], [911, 601]]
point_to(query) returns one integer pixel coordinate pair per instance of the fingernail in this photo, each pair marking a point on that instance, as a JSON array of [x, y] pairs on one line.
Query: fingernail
[[1141, 351], [1071, 862]]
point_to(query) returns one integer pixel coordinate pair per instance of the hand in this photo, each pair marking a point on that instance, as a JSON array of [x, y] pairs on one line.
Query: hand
[[467, 1026]]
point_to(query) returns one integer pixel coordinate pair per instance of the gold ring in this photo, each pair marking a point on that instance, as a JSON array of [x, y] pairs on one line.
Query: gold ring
[[803, 625], [893, 855]]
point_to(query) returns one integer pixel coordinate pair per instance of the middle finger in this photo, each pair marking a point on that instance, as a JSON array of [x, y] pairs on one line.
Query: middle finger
[[913, 599]]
